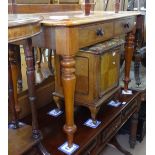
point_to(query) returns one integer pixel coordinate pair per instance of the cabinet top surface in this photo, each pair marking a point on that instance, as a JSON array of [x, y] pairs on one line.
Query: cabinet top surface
[[69, 18]]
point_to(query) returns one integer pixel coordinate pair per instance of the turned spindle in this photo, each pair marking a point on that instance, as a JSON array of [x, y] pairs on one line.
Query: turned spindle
[[68, 81]]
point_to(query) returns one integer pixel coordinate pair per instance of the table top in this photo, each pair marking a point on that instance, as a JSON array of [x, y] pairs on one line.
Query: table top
[[22, 26], [22, 19], [68, 18], [73, 18]]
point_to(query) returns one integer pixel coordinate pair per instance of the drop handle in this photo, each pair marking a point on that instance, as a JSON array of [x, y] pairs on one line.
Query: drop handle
[[99, 32]]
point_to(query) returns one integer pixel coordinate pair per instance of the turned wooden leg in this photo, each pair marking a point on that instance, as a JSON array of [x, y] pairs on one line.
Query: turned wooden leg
[[14, 69], [129, 49], [18, 58], [94, 111], [57, 102], [31, 86], [68, 82], [137, 65], [34, 56], [50, 62], [115, 143], [133, 130], [44, 54], [14, 122], [39, 57]]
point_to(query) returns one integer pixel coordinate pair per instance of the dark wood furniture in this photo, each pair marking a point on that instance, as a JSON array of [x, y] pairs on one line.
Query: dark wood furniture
[[23, 28], [92, 141]]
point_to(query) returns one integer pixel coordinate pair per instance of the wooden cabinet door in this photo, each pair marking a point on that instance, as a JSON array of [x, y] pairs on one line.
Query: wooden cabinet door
[[109, 71]]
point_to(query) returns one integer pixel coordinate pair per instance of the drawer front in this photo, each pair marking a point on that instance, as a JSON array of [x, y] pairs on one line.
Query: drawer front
[[111, 128], [91, 34], [129, 110], [123, 26]]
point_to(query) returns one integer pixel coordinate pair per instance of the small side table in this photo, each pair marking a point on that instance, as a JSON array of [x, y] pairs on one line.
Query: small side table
[[22, 28]]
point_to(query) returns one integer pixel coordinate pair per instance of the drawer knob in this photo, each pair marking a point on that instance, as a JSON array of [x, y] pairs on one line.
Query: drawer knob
[[126, 25], [99, 32]]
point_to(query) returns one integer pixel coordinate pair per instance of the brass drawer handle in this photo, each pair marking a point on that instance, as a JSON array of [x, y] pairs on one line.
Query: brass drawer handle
[[99, 32]]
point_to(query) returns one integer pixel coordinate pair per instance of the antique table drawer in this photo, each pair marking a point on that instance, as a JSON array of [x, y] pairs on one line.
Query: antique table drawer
[[129, 110], [111, 128], [123, 26], [91, 34]]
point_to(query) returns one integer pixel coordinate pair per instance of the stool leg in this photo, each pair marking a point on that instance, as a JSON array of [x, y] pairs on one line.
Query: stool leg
[[31, 85], [32, 97], [14, 123], [39, 57], [14, 69], [18, 58]]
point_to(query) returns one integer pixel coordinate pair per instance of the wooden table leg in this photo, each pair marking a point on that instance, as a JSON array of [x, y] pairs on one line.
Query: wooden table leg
[[29, 57], [14, 71], [18, 58], [31, 86], [49, 61], [39, 56], [133, 130], [137, 66], [115, 143], [68, 81], [129, 49], [14, 123]]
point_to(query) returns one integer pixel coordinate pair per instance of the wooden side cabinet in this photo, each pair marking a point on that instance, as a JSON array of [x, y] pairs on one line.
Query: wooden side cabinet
[[97, 72]]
